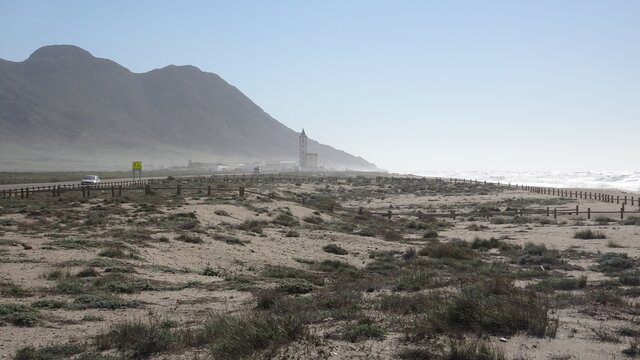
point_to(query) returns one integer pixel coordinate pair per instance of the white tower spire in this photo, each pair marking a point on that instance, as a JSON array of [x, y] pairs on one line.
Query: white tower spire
[[303, 150]]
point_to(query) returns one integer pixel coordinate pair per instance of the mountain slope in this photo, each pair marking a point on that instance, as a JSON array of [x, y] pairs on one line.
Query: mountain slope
[[62, 107]]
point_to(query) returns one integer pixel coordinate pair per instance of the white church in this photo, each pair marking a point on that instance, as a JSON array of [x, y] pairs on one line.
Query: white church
[[308, 161]]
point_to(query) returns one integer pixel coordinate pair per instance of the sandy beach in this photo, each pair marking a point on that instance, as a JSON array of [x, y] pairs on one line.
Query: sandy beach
[[78, 273]]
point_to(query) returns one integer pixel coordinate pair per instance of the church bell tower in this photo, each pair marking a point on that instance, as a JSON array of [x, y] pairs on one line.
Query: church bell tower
[[303, 150]]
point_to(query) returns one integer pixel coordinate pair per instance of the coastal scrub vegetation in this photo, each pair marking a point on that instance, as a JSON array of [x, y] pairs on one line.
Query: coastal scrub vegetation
[[333, 273]]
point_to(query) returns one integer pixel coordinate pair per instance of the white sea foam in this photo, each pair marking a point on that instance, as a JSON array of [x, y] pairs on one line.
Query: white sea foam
[[622, 180]]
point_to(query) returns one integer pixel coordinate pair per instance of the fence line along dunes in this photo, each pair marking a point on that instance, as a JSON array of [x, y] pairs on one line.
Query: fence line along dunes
[[629, 204]]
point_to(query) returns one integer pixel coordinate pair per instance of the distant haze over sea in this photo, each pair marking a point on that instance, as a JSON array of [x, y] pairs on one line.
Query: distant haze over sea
[[622, 180]]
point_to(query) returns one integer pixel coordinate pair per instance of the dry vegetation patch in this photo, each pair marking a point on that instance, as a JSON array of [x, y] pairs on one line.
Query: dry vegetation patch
[[224, 277]]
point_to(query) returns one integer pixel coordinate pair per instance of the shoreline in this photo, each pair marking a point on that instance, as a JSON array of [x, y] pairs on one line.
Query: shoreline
[[596, 180]]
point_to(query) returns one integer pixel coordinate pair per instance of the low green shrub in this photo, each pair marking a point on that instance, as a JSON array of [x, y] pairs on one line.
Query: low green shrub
[[589, 234], [603, 220], [138, 340], [473, 350], [552, 284], [313, 220], [494, 306], [254, 226], [631, 220], [103, 301], [292, 233], [285, 272], [286, 220], [486, 244], [614, 262], [334, 249], [209, 271], [51, 352], [189, 238], [447, 250], [393, 235], [334, 266], [430, 234], [298, 286], [364, 329], [230, 337], [18, 315]]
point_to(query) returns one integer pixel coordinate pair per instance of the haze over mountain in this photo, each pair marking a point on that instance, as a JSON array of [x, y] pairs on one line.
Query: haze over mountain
[[63, 108]]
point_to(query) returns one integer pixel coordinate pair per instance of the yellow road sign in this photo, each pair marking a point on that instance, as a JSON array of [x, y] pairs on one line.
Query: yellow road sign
[[136, 165]]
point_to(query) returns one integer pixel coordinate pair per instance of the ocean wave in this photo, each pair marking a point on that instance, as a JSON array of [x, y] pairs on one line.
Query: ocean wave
[[627, 180]]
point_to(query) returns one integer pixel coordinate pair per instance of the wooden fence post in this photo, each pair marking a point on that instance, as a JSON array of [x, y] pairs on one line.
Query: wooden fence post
[[548, 211], [88, 191], [209, 190], [119, 190], [178, 189], [621, 213], [577, 211], [389, 214], [589, 213], [241, 191], [83, 190], [113, 191], [555, 213]]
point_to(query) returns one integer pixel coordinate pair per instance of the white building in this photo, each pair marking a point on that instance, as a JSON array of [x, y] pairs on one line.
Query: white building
[[307, 161]]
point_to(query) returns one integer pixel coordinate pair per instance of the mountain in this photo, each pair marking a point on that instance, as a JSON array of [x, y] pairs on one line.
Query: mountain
[[63, 108]]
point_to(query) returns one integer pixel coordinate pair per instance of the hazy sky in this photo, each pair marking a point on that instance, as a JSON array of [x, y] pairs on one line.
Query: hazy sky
[[409, 85]]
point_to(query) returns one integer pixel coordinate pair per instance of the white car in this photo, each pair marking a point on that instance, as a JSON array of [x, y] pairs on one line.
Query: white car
[[90, 180]]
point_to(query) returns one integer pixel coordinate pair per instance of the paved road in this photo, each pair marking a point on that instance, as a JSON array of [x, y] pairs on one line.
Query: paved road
[[18, 186]]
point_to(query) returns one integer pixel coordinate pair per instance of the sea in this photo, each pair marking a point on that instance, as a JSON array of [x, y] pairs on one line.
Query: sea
[[620, 180]]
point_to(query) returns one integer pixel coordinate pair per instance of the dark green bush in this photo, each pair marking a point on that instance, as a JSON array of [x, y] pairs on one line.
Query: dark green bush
[[51, 352], [296, 287], [589, 234], [138, 340], [614, 262], [313, 220], [230, 337], [286, 220], [362, 330], [18, 315], [447, 250], [188, 238], [552, 284], [254, 226], [292, 233], [393, 235], [494, 306], [603, 220], [631, 220], [430, 234], [334, 249]]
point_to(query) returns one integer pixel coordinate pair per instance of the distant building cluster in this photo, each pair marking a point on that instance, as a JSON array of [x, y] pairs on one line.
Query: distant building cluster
[[306, 162], [268, 166]]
